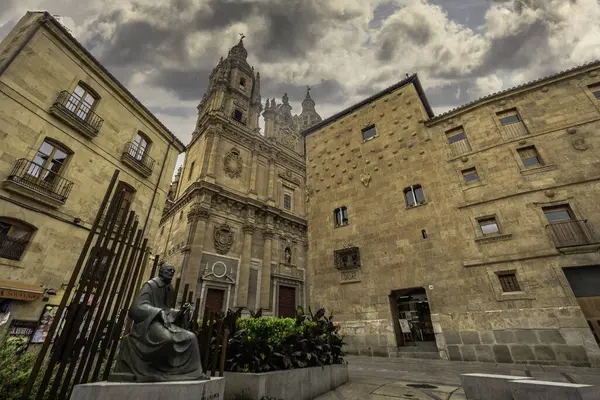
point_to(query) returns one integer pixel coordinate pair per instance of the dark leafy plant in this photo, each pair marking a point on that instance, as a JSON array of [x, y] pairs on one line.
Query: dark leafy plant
[[15, 367]]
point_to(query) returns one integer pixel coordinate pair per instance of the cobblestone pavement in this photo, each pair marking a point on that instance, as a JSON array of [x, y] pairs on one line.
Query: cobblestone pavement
[[373, 378]]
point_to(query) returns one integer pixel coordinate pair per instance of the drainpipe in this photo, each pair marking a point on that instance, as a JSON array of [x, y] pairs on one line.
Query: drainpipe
[[12, 58], [156, 188]]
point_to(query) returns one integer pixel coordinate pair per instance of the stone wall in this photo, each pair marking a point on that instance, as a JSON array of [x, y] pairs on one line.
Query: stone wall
[[456, 263]]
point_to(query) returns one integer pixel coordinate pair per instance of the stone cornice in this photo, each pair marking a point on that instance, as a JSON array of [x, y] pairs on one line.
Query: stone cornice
[[197, 189]]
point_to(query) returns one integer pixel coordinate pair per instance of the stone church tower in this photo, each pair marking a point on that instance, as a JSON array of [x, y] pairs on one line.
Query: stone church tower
[[235, 221]]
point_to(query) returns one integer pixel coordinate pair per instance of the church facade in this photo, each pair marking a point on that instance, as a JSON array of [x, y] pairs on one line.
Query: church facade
[[235, 222]]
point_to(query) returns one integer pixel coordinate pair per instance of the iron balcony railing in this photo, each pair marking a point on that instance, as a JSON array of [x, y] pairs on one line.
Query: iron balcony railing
[[71, 104], [572, 233], [42, 180], [139, 155], [12, 248]]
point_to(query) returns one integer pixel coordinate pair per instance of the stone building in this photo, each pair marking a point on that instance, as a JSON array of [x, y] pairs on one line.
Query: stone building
[[66, 124], [236, 218], [468, 235]]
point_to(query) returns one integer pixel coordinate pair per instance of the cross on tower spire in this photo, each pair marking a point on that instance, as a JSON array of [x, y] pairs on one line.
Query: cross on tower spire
[[242, 36]]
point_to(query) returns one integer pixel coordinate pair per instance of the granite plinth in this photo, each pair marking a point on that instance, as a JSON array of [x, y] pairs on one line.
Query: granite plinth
[[543, 390], [488, 386], [213, 389]]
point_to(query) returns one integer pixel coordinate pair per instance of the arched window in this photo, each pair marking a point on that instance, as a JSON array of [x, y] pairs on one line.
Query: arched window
[[15, 235], [140, 146], [82, 101], [243, 83], [414, 196], [49, 161], [128, 193]]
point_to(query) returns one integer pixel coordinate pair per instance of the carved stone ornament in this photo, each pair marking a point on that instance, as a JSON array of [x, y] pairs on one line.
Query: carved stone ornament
[[223, 238], [580, 144], [365, 179], [309, 193], [233, 164]]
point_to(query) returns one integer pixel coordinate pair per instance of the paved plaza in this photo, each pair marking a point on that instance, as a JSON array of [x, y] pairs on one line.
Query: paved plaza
[[373, 378]]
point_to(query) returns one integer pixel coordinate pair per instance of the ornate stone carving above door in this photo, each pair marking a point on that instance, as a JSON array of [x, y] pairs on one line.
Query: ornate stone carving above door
[[223, 237]]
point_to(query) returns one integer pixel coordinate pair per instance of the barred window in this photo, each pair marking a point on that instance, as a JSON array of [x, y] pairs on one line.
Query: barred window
[[509, 282]]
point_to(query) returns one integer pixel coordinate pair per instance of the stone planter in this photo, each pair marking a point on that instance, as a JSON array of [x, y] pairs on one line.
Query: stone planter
[[291, 384]]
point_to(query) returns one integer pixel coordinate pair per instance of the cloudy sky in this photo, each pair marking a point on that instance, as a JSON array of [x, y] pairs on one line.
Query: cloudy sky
[[164, 50]]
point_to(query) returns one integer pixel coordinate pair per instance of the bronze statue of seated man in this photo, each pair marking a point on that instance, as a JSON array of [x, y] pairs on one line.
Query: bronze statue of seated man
[[158, 347]]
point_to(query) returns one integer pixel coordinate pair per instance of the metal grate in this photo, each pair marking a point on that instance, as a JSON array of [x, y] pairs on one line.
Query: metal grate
[[509, 282]]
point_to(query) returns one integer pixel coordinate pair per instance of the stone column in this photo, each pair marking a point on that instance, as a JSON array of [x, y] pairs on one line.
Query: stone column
[[244, 272], [306, 277], [190, 272], [214, 154], [271, 184], [253, 173], [265, 287]]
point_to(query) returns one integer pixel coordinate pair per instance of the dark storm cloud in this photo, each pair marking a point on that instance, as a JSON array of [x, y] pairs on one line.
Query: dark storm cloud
[[186, 84], [453, 94], [175, 111]]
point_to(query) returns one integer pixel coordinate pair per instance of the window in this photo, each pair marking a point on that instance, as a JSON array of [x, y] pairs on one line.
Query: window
[[508, 281], [81, 102], [243, 83], [489, 226], [530, 156], [14, 238], [139, 146], [348, 258], [287, 201], [470, 175], [414, 196], [595, 88], [458, 142], [558, 213], [48, 162], [191, 170], [128, 194], [238, 116], [340, 216], [369, 133], [512, 124]]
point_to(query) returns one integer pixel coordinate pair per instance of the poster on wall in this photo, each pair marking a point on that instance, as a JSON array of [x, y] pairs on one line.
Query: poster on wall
[[404, 326], [45, 322], [22, 328]]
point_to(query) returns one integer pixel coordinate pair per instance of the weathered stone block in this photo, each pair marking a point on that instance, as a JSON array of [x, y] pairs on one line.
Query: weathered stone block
[[452, 338], [550, 336], [484, 353], [525, 336], [487, 386], [502, 353], [544, 353], [454, 353], [521, 352], [507, 336], [468, 353], [487, 337], [570, 353], [470, 337]]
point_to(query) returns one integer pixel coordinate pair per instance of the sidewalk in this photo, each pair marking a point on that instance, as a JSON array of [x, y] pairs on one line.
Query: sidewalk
[[375, 378]]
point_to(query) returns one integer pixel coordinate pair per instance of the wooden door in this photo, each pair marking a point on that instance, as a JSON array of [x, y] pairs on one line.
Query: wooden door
[[214, 300], [287, 301]]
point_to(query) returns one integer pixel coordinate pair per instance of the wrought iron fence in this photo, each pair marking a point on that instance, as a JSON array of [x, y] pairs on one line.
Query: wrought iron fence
[[96, 301], [134, 152], [72, 104], [35, 177], [572, 233], [12, 248]]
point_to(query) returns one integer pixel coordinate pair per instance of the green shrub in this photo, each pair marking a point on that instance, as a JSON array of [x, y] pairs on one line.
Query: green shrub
[[15, 366]]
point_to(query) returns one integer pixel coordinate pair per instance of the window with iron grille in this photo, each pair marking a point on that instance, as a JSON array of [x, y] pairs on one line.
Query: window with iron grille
[[470, 175], [414, 196], [509, 282], [369, 133], [14, 238], [530, 156], [348, 258], [287, 201]]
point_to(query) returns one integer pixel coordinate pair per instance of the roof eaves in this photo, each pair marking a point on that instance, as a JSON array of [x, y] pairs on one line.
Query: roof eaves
[[57, 24], [512, 89]]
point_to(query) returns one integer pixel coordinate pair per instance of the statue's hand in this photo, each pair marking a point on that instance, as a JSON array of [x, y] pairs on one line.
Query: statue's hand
[[164, 318]]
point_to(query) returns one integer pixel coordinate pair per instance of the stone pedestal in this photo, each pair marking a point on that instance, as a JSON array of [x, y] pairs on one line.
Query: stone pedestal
[[488, 386], [541, 390], [183, 390]]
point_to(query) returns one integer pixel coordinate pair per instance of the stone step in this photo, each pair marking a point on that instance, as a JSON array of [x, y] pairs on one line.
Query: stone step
[[426, 355], [420, 347]]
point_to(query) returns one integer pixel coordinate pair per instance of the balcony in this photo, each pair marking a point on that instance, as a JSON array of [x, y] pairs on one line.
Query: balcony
[[76, 114], [12, 248], [136, 158], [573, 236], [40, 184]]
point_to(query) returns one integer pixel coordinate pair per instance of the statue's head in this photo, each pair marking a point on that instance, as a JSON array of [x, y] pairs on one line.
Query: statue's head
[[166, 273]]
